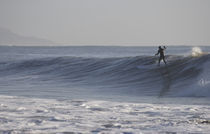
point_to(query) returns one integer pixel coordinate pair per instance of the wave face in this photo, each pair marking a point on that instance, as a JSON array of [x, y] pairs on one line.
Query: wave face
[[140, 75]]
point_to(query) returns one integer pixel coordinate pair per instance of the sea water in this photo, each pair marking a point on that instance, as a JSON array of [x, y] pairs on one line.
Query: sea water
[[107, 89]]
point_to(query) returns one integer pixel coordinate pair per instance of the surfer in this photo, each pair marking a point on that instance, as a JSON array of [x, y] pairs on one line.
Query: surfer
[[162, 56]]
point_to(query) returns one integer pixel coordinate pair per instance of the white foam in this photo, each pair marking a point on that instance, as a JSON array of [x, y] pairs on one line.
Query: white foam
[[196, 51], [53, 116]]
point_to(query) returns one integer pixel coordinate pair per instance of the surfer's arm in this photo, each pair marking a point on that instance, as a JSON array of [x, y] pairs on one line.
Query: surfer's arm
[[164, 47], [157, 52]]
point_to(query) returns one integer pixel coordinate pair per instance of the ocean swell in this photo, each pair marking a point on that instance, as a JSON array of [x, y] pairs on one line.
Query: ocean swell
[[182, 76]]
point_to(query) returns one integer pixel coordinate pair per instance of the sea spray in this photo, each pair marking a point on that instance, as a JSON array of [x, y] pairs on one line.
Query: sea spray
[[196, 51]]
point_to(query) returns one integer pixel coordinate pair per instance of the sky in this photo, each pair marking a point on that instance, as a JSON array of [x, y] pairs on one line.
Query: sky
[[110, 22]]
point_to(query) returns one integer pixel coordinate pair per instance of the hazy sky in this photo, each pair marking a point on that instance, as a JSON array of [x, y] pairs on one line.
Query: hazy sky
[[110, 22]]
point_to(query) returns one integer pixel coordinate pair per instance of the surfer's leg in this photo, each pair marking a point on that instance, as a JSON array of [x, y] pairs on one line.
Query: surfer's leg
[[164, 60], [159, 61]]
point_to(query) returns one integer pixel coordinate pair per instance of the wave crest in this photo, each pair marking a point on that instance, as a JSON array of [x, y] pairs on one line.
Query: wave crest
[[181, 76]]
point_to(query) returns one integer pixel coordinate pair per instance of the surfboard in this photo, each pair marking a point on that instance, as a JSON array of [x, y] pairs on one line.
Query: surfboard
[[152, 66]]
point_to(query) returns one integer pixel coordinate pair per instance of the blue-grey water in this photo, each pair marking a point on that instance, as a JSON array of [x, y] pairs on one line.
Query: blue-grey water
[[69, 72], [117, 89]]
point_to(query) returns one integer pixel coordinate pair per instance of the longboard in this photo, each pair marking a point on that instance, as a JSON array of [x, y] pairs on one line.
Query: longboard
[[152, 66]]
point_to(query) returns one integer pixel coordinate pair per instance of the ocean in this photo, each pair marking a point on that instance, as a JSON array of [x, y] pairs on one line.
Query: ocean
[[106, 89]]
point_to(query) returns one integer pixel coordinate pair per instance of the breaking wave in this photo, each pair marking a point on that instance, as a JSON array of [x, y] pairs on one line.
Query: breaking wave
[[182, 76]]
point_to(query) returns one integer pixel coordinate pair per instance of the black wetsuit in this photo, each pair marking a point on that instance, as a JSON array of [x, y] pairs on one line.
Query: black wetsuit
[[162, 56]]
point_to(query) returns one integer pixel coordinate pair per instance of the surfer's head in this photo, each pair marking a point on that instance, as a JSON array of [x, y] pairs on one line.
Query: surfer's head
[[159, 47]]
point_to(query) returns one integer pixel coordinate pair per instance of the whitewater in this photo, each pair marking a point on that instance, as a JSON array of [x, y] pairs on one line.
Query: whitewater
[[90, 89]]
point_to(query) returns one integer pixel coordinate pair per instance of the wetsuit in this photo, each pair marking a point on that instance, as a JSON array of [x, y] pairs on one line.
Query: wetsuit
[[162, 56]]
